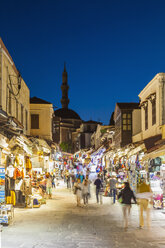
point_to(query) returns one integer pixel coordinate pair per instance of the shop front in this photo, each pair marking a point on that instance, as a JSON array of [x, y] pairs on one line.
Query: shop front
[[155, 162], [18, 172]]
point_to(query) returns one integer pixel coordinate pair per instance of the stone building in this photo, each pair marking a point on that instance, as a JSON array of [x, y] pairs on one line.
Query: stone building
[[14, 97], [82, 137], [123, 117], [41, 115], [102, 135], [152, 102], [65, 120]]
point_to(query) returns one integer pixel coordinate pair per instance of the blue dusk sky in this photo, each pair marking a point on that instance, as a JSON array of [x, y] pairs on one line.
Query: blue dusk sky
[[112, 49]]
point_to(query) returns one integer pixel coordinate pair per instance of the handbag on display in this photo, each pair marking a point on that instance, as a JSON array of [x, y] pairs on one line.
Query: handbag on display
[[120, 200]]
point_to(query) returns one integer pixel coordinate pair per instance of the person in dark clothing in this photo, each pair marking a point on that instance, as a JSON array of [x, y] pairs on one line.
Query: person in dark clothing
[[126, 196], [98, 184], [104, 173], [53, 181]]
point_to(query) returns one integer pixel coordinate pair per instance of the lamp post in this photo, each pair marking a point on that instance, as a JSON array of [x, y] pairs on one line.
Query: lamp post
[[12, 84]]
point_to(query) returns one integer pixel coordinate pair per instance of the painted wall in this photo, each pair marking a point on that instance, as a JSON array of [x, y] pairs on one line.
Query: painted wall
[[45, 112], [136, 121]]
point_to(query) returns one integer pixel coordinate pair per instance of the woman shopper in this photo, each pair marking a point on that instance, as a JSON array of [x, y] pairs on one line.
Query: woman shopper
[[78, 191], [49, 185], [144, 197], [89, 188], [126, 195], [85, 192]]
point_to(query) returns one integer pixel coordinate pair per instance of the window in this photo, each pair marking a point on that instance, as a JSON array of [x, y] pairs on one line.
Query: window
[[127, 122], [10, 102], [153, 111], [88, 128], [146, 117], [16, 109], [21, 114], [26, 117], [34, 121]]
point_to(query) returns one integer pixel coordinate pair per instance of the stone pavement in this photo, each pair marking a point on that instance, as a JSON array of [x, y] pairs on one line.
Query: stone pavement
[[60, 223]]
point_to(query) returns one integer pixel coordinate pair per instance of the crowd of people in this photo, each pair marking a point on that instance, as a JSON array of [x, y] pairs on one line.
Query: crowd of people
[[81, 183]]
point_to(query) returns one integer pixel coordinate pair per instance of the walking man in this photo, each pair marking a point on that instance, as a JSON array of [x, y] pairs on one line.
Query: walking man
[[98, 184], [113, 190]]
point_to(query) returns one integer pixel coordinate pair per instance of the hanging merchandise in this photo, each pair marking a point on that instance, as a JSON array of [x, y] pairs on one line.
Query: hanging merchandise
[[137, 162], [18, 173], [155, 183], [2, 185], [28, 163]]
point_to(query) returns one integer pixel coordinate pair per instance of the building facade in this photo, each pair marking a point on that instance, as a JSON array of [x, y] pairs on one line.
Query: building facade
[[82, 137], [41, 115], [14, 95], [102, 135], [152, 101], [123, 117]]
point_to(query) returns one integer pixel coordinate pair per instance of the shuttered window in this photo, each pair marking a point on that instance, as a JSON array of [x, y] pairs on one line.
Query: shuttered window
[[146, 117], [127, 122], [34, 121], [16, 109], [26, 117], [21, 114], [10, 103], [153, 111]]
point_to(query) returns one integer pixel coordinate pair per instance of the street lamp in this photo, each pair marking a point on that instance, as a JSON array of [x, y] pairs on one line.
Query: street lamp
[[16, 85]]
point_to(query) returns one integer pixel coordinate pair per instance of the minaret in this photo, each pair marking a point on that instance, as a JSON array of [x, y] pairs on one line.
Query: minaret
[[64, 88]]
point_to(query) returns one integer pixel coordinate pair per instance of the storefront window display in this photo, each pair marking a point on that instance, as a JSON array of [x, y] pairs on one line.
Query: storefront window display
[[156, 181], [136, 170], [16, 184]]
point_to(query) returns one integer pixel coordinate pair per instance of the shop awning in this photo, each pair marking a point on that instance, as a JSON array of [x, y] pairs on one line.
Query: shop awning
[[99, 150], [154, 154], [67, 154], [4, 142], [136, 150], [40, 145], [20, 144], [150, 142], [10, 124]]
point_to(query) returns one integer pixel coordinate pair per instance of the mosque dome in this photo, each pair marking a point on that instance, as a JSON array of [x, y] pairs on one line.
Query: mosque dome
[[66, 113]]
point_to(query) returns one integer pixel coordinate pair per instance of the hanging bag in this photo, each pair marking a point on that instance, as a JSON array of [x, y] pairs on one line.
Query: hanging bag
[[120, 199]]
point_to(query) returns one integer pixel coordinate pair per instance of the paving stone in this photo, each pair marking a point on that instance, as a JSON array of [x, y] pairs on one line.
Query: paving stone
[[60, 224]]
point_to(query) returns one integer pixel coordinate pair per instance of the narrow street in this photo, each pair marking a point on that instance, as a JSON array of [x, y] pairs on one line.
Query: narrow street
[[60, 223]]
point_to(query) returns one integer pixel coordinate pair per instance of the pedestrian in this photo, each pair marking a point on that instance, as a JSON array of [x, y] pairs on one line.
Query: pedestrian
[[85, 192], [72, 179], [67, 176], [126, 195], [53, 181], [49, 185], [89, 184], [78, 191], [144, 196], [78, 175], [98, 184], [113, 189], [104, 172], [81, 176]]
